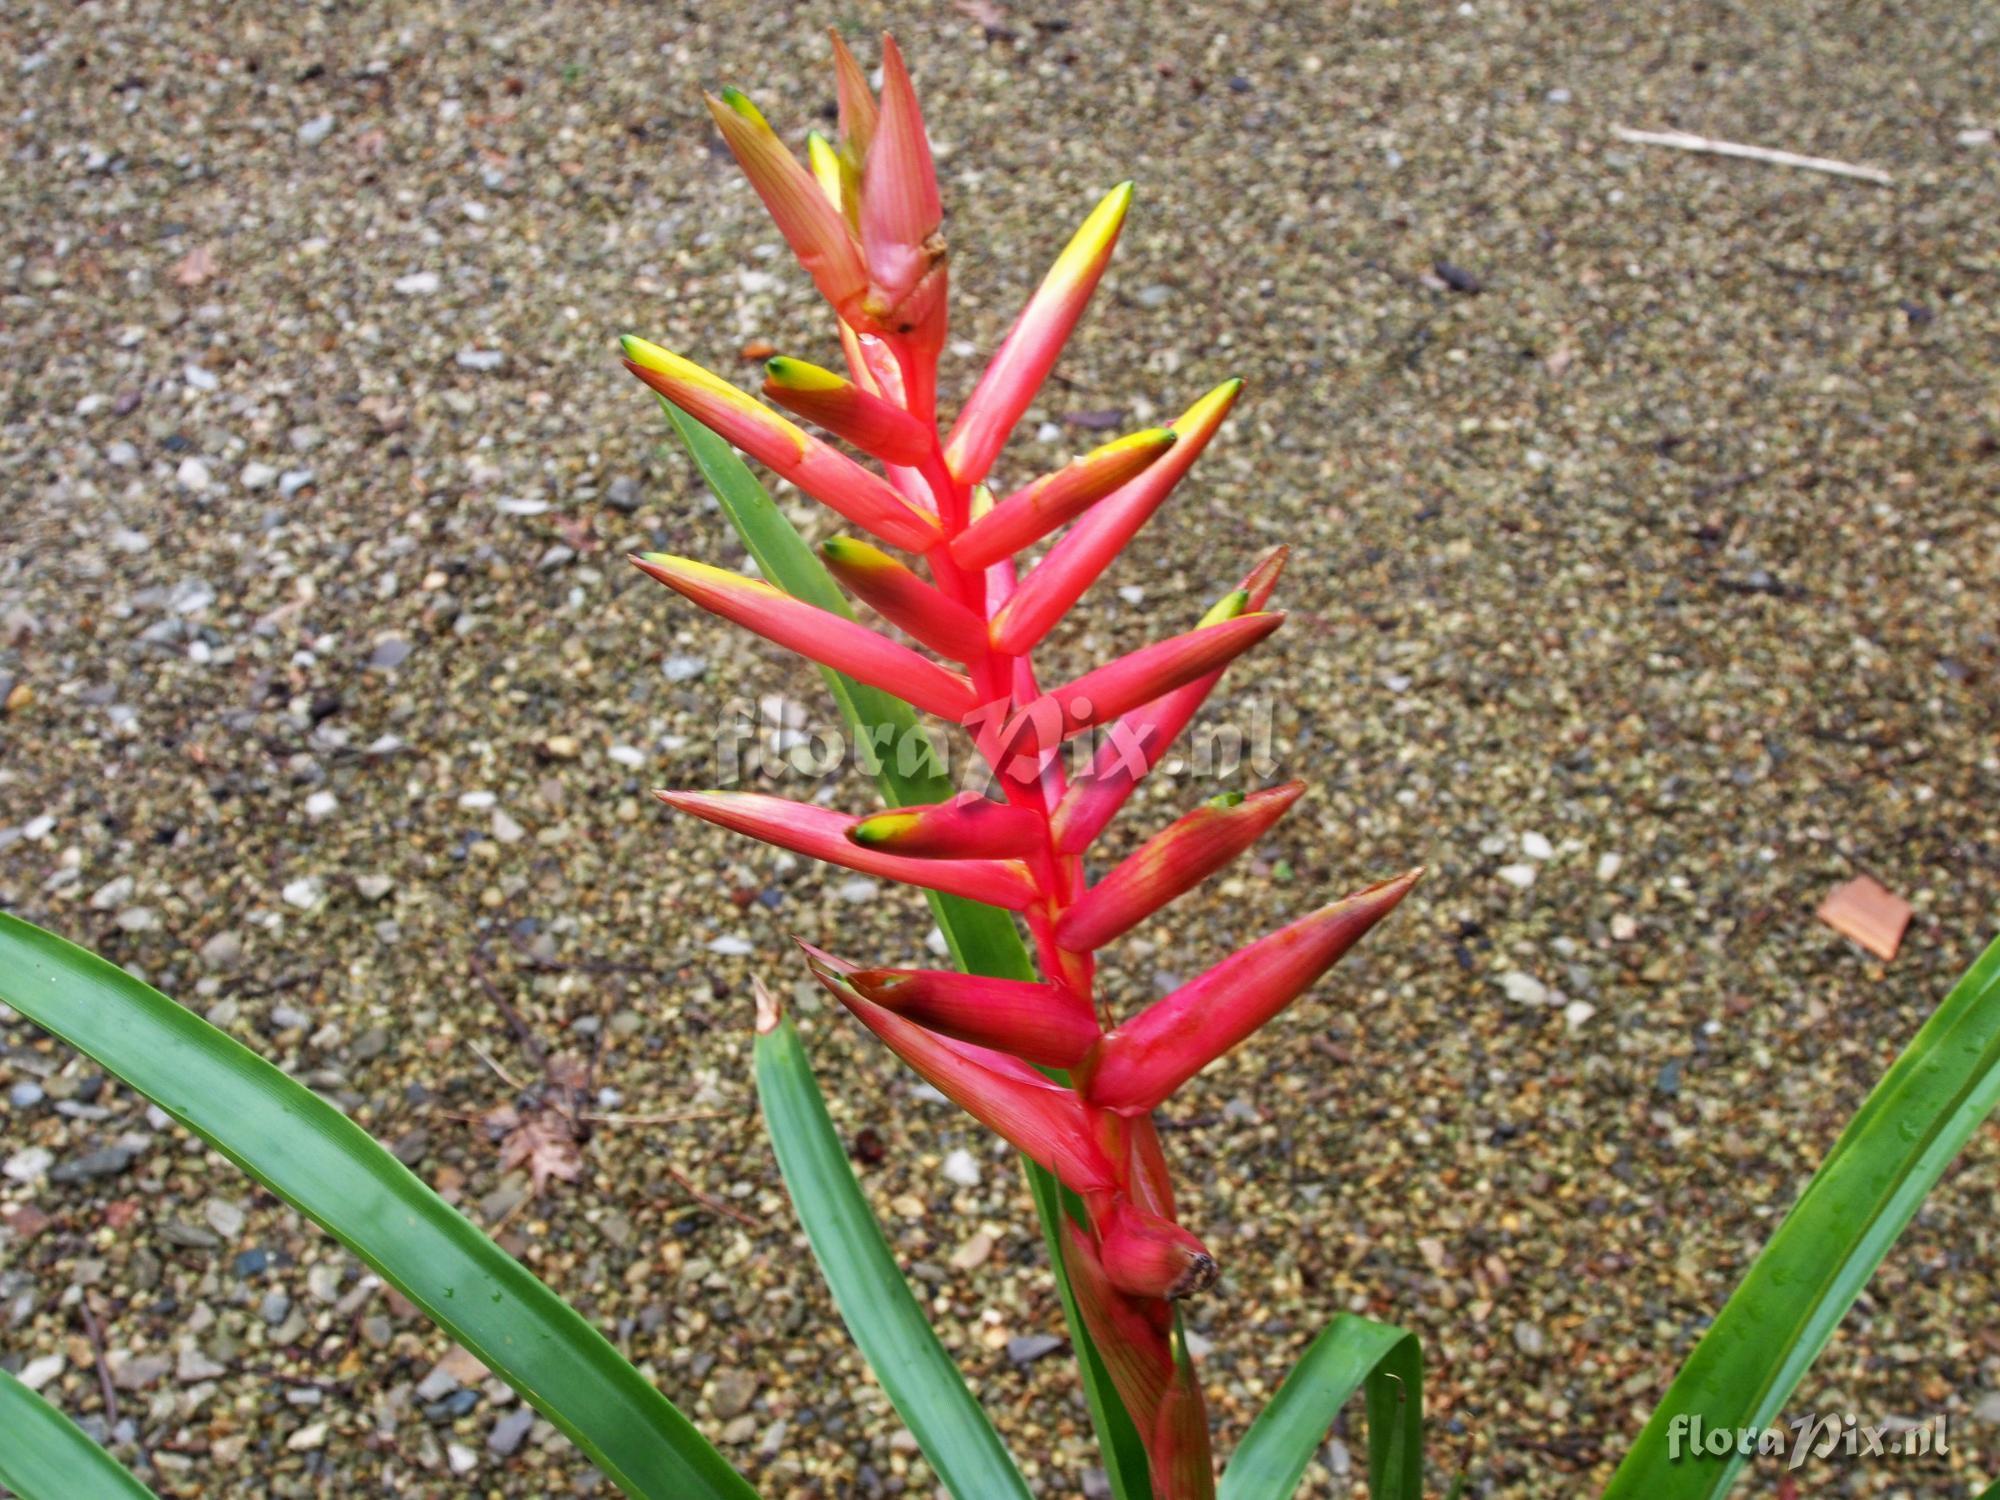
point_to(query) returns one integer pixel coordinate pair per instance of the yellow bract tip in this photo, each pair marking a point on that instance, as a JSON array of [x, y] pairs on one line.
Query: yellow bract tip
[[882, 828], [1228, 607], [803, 375]]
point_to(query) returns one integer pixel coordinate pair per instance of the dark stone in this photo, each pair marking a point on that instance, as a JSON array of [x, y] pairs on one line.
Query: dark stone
[[108, 1162]]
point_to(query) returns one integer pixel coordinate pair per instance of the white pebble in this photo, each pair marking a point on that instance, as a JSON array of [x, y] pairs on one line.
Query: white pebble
[[1577, 1012], [627, 755], [1524, 989], [1519, 876], [962, 1168], [1536, 847], [305, 893], [192, 474], [732, 947], [1608, 866], [258, 476], [321, 804], [475, 801], [417, 283]]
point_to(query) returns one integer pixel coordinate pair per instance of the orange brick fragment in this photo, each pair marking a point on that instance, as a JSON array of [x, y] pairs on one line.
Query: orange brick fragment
[[1870, 914]]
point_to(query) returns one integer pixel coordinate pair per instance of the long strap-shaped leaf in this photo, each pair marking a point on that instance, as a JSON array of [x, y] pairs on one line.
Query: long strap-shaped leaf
[[1783, 1312], [319, 1161], [874, 1299], [46, 1456], [982, 939], [1349, 1352]]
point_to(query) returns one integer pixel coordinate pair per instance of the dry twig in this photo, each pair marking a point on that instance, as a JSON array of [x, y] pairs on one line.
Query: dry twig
[[1681, 140]]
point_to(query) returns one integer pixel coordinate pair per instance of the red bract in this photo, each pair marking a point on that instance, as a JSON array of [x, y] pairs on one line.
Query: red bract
[[865, 219]]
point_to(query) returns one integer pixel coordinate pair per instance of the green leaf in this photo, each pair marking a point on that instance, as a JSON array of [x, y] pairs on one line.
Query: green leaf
[[982, 939], [319, 1161], [1782, 1313], [874, 1299], [46, 1456], [1349, 1353]]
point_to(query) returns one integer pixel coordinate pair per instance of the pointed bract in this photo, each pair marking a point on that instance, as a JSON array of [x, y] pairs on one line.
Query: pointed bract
[[1040, 1023], [1075, 562], [858, 113], [825, 473], [1036, 509], [899, 596], [1145, 674], [900, 212], [1029, 352], [1177, 1448], [815, 633], [816, 230], [967, 827], [1045, 1124], [1141, 1063], [821, 833], [1172, 862], [1134, 744], [1130, 1337], [845, 410]]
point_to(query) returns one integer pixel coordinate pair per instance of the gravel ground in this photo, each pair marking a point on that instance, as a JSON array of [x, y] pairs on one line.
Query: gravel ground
[[1644, 508]]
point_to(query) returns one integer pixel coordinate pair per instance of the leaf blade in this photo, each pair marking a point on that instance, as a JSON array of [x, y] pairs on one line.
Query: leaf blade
[[1802, 1283], [1350, 1353], [875, 1301], [46, 1456], [319, 1161]]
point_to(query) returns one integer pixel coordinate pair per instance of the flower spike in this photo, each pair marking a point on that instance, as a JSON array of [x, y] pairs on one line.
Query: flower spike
[[825, 473], [815, 633], [905, 600], [1140, 1064], [1171, 863], [1134, 745], [1032, 512], [821, 833], [1030, 349], [1073, 564], [1039, 1057], [1040, 1023], [967, 827], [844, 409], [814, 228]]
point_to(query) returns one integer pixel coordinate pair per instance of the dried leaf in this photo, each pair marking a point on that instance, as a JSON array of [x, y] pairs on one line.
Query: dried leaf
[[545, 1146]]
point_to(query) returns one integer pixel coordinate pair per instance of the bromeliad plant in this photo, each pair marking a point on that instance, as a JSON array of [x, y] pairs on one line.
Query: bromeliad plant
[[1030, 1052], [866, 222]]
